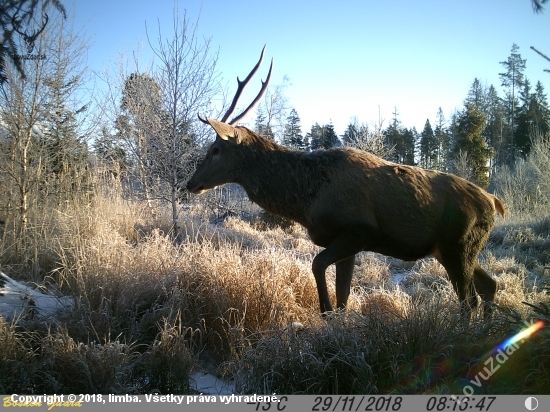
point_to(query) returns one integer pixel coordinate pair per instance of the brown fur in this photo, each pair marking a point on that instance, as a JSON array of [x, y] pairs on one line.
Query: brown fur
[[351, 201]]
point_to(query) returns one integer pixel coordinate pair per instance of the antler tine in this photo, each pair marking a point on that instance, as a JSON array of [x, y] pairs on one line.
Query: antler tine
[[202, 119], [241, 86], [258, 97]]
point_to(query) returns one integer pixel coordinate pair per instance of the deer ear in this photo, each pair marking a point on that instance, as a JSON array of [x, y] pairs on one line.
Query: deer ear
[[224, 130]]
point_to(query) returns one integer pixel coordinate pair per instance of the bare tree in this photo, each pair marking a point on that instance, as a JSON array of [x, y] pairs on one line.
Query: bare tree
[[31, 107], [275, 108], [462, 166], [370, 140], [187, 80]]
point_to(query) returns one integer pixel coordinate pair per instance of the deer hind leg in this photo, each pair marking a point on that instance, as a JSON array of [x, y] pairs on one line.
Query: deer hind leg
[[344, 273], [486, 287]]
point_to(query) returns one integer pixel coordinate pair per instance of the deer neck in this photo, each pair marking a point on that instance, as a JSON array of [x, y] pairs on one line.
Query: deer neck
[[273, 178]]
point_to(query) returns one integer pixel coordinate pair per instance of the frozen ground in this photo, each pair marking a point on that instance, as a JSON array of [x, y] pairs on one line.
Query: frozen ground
[[207, 383], [18, 300]]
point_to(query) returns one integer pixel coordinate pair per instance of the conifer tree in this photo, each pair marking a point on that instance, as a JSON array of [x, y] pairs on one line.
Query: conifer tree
[[429, 147], [394, 139], [478, 95], [496, 131], [350, 134], [292, 136], [261, 125], [443, 140], [532, 117], [470, 142], [512, 79], [322, 137]]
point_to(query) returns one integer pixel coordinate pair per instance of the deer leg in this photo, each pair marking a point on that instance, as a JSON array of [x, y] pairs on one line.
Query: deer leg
[[486, 287], [461, 275], [344, 273], [342, 249]]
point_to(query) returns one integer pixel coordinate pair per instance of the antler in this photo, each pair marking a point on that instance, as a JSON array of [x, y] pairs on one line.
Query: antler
[[240, 88], [34, 35]]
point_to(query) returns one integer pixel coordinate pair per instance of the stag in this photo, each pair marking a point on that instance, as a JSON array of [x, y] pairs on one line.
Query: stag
[[351, 201], [30, 38]]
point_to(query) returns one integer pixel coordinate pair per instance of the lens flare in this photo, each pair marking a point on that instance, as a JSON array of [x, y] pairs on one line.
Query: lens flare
[[521, 335]]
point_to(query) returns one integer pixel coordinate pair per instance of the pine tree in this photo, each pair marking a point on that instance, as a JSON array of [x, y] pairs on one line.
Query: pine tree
[[66, 152], [532, 118], [543, 111], [443, 140], [330, 136], [470, 143], [512, 79], [429, 147], [315, 137], [478, 95], [394, 139], [322, 137], [407, 150], [496, 130], [261, 126], [108, 149], [292, 136], [350, 134], [525, 119]]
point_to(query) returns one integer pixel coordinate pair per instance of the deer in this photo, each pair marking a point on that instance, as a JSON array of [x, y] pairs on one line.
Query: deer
[[351, 201]]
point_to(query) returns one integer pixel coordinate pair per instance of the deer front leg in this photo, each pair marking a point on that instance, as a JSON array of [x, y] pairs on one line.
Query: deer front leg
[[342, 252]]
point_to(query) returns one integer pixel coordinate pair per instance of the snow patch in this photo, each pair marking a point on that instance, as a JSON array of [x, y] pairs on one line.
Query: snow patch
[[397, 278], [17, 300], [209, 384]]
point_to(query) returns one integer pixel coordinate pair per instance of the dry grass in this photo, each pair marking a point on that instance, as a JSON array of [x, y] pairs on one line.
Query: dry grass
[[148, 309]]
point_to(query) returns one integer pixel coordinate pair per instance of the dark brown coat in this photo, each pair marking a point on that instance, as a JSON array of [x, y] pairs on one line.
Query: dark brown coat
[[351, 201]]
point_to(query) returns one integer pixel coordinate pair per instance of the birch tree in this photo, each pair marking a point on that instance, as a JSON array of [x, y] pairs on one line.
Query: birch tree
[[186, 75]]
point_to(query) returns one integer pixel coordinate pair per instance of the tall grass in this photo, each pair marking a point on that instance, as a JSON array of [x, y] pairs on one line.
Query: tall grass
[[238, 297]]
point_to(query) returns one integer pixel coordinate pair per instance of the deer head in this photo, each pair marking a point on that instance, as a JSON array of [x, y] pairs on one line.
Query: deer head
[[221, 163], [29, 38]]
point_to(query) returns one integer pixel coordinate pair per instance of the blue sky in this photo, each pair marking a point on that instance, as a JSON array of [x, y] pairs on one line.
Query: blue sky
[[343, 58]]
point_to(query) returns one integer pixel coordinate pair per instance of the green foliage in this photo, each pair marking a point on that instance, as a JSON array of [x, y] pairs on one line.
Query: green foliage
[[513, 80], [65, 152], [469, 140], [443, 139], [293, 132], [400, 142], [322, 137], [108, 148], [533, 117], [429, 147]]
